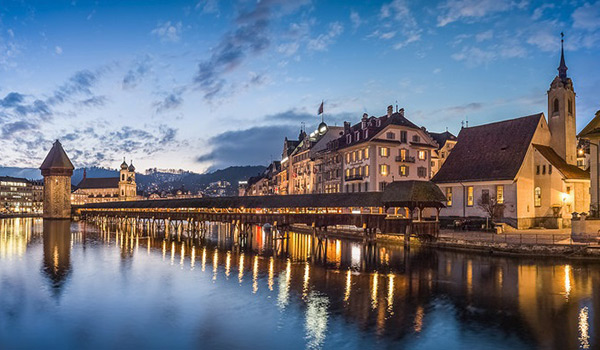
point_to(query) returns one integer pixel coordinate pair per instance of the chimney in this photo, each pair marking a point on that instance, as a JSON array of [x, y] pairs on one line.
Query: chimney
[[84, 173], [401, 111], [390, 110], [346, 127]]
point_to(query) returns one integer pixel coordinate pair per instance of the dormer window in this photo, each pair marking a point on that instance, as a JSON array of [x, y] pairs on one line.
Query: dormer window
[[364, 124], [366, 133], [378, 123], [416, 138], [403, 136], [356, 136], [348, 138], [390, 135]]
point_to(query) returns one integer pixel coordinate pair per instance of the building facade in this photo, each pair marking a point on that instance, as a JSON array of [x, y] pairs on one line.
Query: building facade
[[525, 167], [16, 195], [445, 143], [107, 189], [380, 150]]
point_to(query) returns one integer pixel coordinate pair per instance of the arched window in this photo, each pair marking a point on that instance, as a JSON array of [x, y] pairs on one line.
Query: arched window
[[122, 192], [537, 197], [123, 177], [570, 107], [555, 108]]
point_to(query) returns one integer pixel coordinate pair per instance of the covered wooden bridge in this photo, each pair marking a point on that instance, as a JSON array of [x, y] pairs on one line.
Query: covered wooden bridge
[[396, 210]]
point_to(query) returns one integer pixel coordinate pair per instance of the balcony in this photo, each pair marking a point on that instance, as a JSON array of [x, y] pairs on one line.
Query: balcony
[[354, 178], [405, 159]]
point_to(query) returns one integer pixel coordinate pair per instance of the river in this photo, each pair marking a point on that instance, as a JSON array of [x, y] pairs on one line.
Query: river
[[79, 286]]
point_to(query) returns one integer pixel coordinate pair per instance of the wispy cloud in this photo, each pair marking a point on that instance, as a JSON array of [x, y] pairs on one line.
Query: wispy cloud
[[167, 31], [397, 15], [455, 10], [323, 41], [136, 73]]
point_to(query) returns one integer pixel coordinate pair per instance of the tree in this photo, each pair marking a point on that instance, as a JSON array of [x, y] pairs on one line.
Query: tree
[[490, 205]]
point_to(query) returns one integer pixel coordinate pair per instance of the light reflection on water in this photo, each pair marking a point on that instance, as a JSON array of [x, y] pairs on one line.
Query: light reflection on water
[[76, 285]]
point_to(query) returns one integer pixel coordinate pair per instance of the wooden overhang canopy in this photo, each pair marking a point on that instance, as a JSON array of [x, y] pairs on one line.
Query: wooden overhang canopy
[[408, 194]]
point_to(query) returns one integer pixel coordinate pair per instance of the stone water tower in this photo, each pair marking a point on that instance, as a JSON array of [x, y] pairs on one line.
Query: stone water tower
[[57, 170]]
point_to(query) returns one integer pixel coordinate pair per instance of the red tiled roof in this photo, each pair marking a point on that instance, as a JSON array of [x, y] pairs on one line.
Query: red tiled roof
[[489, 152]]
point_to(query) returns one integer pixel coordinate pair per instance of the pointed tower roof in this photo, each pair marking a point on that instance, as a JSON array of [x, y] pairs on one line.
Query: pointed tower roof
[[57, 162], [124, 164], [562, 68]]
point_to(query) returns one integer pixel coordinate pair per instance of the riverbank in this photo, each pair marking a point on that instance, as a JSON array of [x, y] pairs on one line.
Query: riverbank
[[527, 243], [20, 215]]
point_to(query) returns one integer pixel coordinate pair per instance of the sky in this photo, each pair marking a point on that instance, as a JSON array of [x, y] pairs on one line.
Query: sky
[[201, 85]]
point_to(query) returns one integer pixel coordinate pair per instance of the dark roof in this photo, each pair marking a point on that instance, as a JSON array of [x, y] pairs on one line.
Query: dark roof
[[569, 171], [400, 193], [14, 179], [99, 182], [489, 152], [442, 137], [396, 118], [57, 159], [592, 128]]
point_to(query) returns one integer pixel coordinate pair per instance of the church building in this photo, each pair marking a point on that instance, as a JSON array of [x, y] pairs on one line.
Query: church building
[[108, 189], [525, 167]]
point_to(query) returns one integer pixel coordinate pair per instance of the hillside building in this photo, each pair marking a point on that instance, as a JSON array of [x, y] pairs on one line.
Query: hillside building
[[108, 189]]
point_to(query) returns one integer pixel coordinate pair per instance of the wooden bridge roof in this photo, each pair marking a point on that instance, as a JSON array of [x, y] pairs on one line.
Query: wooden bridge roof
[[398, 194]]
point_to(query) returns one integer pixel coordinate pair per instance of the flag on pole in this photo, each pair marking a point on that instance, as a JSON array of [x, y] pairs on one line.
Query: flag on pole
[[321, 108]]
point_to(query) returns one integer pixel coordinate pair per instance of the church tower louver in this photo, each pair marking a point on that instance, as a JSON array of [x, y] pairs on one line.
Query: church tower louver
[[561, 113]]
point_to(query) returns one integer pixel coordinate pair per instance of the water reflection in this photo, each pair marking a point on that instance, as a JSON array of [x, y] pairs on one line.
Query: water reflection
[[345, 291], [57, 252]]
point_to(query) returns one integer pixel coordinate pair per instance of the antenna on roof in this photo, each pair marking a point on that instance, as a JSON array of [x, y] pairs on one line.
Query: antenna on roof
[[446, 129], [467, 121], [396, 106], [462, 124]]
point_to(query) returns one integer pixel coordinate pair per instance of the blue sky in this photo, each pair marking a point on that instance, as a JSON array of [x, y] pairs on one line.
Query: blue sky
[[205, 84]]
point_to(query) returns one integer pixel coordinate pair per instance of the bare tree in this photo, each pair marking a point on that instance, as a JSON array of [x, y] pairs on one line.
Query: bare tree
[[490, 205]]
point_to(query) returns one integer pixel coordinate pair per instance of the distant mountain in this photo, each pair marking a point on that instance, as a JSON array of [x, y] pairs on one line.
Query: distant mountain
[[156, 181]]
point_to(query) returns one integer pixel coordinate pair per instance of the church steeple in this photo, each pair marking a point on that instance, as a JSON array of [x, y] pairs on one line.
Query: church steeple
[[562, 68]]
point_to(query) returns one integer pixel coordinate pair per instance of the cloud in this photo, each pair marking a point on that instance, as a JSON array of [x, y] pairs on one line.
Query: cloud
[[454, 10], [135, 74], [323, 41], [477, 56], [95, 101], [79, 83], [168, 32], [208, 6], [538, 12], [586, 17], [396, 15], [483, 36], [8, 130], [355, 19], [247, 147], [17, 102], [463, 109], [249, 37], [171, 101]]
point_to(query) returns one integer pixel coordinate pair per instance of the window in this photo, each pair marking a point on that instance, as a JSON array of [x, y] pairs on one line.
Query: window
[[537, 169], [354, 156], [366, 153], [348, 138], [416, 138], [500, 194], [537, 197], [549, 168], [366, 170], [422, 155], [422, 171], [485, 196], [123, 177], [570, 107], [403, 170], [384, 169], [366, 133], [356, 136], [449, 196], [403, 154], [403, 136], [544, 169], [382, 185], [384, 151], [469, 196], [366, 186], [390, 135], [347, 172], [347, 158], [555, 109]]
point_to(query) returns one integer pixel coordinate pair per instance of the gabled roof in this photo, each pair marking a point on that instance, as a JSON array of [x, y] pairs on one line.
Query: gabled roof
[[489, 152], [442, 137], [569, 171], [99, 182], [592, 128], [57, 159]]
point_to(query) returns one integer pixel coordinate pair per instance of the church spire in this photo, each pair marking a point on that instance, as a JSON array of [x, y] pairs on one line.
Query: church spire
[[562, 68]]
